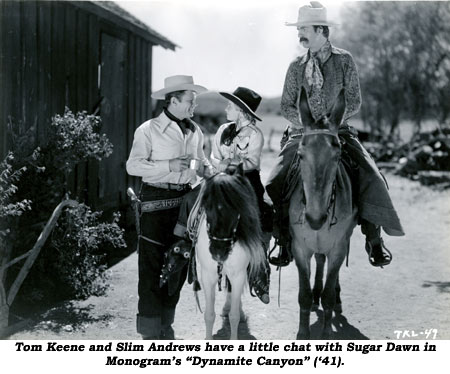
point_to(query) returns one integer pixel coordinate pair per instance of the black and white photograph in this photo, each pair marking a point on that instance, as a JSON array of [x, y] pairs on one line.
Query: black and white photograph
[[225, 170]]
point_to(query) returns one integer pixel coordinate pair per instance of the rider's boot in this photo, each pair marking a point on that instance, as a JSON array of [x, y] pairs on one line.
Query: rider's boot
[[175, 258], [378, 254], [260, 283], [282, 237]]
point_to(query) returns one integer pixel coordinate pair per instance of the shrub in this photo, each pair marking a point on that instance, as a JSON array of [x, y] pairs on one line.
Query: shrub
[[72, 262]]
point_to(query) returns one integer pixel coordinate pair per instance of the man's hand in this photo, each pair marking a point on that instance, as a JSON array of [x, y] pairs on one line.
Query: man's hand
[[208, 171], [223, 165], [179, 164]]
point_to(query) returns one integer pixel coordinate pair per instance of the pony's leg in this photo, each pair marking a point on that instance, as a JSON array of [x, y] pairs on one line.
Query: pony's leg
[[237, 287], [329, 293], [227, 306], [209, 285], [305, 298], [318, 280], [338, 306]]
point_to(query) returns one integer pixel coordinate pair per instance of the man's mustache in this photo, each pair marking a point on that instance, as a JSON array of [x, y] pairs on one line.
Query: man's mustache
[[302, 39]]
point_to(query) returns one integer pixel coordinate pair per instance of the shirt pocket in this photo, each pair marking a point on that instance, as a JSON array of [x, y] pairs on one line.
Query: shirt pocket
[[166, 149], [242, 145]]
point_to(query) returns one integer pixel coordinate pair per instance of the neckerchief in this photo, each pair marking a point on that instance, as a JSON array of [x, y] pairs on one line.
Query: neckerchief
[[228, 134], [313, 74], [184, 124], [231, 132]]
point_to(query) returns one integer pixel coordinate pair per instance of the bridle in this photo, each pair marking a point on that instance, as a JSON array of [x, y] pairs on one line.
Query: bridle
[[332, 203], [231, 239]]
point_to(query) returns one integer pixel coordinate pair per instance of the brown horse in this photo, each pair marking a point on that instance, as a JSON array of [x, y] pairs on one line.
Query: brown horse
[[319, 220]]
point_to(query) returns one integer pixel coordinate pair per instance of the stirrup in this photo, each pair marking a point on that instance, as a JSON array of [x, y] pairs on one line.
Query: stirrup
[[386, 253], [284, 257], [261, 290]]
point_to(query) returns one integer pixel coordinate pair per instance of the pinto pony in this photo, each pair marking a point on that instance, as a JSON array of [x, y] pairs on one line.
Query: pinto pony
[[320, 220], [229, 240]]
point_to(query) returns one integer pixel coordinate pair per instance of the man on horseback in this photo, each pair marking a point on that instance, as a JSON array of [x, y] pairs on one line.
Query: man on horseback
[[161, 153], [323, 72]]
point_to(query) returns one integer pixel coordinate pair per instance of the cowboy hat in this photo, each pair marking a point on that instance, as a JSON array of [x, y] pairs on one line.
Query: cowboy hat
[[177, 83], [312, 15], [245, 98]]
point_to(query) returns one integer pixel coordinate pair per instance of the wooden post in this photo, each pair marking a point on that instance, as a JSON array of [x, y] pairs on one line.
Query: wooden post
[[6, 299]]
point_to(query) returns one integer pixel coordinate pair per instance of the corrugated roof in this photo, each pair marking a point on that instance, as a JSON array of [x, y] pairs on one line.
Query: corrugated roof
[[122, 13]]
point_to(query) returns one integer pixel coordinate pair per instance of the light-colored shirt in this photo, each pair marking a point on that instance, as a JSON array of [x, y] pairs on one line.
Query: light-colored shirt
[[338, 71], [159, 140], [246, 146]]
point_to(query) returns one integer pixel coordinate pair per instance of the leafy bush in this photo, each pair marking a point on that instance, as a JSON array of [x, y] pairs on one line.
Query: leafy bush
[[9, 209], [78, 242], [72, 262]]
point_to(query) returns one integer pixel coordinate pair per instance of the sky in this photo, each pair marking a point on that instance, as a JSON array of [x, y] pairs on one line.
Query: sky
[[225, 44]]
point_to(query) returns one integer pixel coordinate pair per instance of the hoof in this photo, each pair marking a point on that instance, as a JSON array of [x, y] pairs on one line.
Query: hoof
[[303, 335], [326, 335], [315, 307], [242, 316], [338, 308]]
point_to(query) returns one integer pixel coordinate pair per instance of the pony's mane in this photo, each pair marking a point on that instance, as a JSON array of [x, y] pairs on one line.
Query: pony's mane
[[236, 195]]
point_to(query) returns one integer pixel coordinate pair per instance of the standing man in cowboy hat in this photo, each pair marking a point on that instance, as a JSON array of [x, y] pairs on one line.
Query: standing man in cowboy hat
[[160, 155], [323, 72]]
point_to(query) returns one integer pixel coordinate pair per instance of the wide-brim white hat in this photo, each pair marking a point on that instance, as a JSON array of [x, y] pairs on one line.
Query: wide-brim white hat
[[177, 83], [312, 15]]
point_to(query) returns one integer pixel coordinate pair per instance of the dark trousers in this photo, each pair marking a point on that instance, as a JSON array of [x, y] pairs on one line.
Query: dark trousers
[[156, 307]]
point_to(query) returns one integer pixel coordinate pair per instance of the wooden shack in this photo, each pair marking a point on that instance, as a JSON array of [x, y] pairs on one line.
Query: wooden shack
[[77, 54]]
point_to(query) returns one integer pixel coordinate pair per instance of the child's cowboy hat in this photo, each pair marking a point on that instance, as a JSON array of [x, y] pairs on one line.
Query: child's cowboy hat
[[246, 99], [177, 83], [312, 15]]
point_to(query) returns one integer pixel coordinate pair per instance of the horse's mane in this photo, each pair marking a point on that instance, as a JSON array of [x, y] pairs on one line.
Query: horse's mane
[[236, 195]]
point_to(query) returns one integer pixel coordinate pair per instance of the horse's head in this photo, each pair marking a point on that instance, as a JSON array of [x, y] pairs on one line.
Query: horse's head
[[227, 200], [319, 152]]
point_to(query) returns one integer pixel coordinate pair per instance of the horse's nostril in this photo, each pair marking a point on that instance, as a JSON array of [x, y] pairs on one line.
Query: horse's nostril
[[316, 223]]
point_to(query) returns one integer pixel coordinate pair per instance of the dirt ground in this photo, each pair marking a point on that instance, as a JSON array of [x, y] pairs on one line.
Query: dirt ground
[[410, 298]]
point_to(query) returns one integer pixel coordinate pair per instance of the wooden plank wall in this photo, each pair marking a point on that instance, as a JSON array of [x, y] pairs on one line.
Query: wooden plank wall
[[49, 59]]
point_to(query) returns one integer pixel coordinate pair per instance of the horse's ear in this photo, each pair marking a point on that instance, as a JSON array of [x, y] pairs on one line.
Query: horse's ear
[[305, 112], [337, 113]]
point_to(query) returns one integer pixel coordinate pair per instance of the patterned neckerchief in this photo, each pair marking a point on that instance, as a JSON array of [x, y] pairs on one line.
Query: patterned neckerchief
[[313, 74]]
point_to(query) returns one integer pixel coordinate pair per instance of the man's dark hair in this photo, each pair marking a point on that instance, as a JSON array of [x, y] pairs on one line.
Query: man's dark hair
[[177, 94], [325, 30]]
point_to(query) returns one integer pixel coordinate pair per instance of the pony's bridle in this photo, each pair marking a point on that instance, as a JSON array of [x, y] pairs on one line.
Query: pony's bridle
[[231, 239]]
